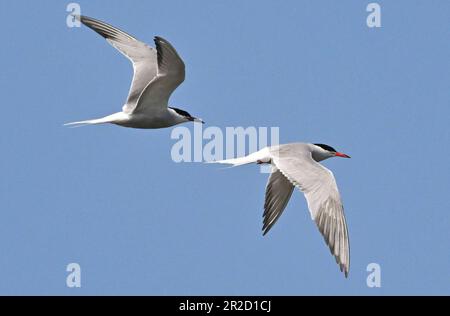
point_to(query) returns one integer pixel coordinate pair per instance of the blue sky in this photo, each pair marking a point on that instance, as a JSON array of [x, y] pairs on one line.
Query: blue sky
[[112, 200]]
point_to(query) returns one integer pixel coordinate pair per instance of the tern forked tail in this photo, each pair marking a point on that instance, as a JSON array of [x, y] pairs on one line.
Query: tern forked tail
[[113, 118], [259, 156]]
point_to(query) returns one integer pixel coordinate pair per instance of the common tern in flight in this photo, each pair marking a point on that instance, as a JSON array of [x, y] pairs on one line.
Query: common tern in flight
[[157, 73], [297, 165]]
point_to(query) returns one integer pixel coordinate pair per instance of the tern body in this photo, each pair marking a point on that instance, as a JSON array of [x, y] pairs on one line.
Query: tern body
[[297, 165], [157, 73]]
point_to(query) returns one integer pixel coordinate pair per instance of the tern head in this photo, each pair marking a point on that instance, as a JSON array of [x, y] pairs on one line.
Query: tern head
[[322, 151], [185, 116]]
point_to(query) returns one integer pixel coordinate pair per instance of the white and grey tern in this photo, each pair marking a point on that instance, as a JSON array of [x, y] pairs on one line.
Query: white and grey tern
[[297, 165], [157, 73]]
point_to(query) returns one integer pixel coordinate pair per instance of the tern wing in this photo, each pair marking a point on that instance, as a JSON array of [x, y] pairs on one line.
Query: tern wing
[[143, 57], [171, 73], [278, 193], [321, 192]]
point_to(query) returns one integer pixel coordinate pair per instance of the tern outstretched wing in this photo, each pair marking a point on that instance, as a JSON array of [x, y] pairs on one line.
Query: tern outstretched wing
[[143, 57], [321, 193], [171, 73], [278, 192]]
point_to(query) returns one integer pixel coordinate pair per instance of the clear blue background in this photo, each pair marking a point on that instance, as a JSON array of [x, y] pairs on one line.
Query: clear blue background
[[112, 200]]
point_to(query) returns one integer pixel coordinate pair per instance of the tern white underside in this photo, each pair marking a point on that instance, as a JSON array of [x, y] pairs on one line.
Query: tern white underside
[[158, 120]]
